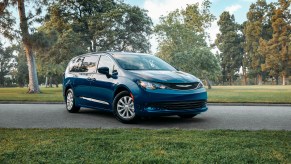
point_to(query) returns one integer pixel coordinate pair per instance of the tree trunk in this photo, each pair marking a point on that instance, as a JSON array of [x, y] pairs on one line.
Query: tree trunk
[[51, 81], [1, 80], [284, 80], [208, 83], [57, 85], [244, 76], [91, 46], [260, 79], [46, 81], [245, 80], [33, 86], [277, 80], [230, 80], [94, 45]]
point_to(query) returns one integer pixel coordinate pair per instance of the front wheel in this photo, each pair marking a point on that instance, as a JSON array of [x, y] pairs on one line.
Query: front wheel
[[70, 102], [123, 107]]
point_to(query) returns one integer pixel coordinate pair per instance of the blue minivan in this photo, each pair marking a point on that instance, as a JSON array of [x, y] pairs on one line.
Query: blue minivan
[[131, 85]]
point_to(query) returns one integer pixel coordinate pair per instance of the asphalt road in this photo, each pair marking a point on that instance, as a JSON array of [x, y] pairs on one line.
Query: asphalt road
[[217, 117]]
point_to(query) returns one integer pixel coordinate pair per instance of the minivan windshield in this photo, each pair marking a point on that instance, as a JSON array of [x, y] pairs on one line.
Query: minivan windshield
[[142, 62]]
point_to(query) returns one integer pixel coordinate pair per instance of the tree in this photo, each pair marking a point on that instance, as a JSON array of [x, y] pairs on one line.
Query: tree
[[73, 27], [24, 22], [181, 38], [56, 51], [21, 67], [51, 72], [6, 21], [229, 43], [107, 25], [258, 25], [27, 44], [245, 60], [6, 64], [277, 50]]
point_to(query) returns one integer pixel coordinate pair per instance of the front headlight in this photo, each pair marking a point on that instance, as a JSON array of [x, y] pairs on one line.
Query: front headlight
[[151, 85], [200, 85]]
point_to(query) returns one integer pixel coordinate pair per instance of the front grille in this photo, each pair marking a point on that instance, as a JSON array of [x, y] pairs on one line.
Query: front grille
[[179, 105], [182, 86]]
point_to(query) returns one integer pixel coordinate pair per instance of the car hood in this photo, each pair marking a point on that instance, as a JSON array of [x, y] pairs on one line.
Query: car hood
[[164, 76]]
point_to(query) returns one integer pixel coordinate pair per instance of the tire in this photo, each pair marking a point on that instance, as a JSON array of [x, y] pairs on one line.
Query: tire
[[187, 116], [70, 102], [123, 108]]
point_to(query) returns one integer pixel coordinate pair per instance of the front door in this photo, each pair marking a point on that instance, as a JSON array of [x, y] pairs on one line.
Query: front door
[[102, 87]]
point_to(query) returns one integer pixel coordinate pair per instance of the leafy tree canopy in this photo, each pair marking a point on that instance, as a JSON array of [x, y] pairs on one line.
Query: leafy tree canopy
[[6, 62], [103, 25], [181, 38]]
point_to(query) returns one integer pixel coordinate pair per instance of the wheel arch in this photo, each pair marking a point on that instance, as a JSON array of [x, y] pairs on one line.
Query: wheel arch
[[66, 89], [119, 89]]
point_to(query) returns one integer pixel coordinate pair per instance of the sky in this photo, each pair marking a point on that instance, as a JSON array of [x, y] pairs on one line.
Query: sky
[[157, 8]]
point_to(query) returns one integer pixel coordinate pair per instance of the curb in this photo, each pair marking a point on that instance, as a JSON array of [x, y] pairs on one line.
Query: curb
[[210, 104]]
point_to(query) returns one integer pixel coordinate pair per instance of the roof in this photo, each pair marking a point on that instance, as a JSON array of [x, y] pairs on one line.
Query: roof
[[112, 53]]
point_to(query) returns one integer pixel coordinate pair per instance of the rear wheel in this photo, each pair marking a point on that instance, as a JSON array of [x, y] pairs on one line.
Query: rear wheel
[[123, 107], [187, 115], [70, 102]]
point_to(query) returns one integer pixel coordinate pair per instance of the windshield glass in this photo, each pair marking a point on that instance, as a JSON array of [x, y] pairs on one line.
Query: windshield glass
[[142, 62]]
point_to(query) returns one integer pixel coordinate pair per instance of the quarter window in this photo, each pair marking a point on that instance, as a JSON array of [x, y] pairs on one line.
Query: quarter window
[[86, 64]]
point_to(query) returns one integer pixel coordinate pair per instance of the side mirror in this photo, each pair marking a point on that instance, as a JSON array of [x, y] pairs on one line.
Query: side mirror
[[104, 70], [114, 73]]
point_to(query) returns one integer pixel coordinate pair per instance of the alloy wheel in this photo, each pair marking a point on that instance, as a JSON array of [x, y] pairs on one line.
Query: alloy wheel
[[70, 100], [125, 108]]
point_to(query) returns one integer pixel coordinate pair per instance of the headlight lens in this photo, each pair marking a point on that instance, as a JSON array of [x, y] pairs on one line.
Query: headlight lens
[[151, 85], [200, 85]]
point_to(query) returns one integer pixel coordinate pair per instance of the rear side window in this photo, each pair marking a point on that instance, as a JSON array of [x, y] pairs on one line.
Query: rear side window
[[86, 64]]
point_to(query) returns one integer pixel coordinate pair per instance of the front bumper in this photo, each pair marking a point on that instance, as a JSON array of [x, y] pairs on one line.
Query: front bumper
[[150, 111], [171, 102]]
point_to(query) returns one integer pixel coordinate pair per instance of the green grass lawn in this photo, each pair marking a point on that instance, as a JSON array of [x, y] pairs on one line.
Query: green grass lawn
[[228, 94], [143, 146], [250, 94], [20, 94]]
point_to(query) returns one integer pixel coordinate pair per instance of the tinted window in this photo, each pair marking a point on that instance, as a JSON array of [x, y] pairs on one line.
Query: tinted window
[[76, 63], [84, 64], [105, 61], [142, 62]]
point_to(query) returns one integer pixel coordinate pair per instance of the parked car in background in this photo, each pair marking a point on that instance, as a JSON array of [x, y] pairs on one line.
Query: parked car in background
[[131, 85]]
